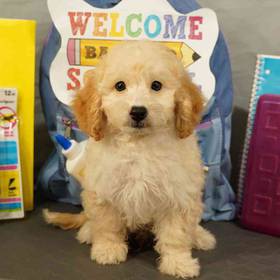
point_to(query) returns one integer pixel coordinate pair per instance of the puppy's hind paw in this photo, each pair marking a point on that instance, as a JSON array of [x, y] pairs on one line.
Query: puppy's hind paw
[[84, 234], [204, 240], [179, 265], [109, 252]]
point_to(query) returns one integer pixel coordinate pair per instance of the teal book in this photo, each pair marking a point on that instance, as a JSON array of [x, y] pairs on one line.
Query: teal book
[[266, 81]]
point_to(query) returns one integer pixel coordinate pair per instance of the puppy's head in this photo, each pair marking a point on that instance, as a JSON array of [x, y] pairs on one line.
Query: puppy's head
[[138, 87]]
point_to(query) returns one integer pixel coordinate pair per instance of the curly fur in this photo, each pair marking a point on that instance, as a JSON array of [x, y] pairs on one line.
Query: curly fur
[[134, 177]]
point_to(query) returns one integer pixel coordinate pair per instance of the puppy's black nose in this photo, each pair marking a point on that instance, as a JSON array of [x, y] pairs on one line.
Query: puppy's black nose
[[138, 113]]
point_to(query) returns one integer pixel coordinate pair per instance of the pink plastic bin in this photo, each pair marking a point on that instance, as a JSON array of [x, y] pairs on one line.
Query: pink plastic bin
[[261, 201]]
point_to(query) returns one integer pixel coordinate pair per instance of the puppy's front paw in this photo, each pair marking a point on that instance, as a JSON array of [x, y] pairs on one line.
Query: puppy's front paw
[[204, 240], [109, 252], [179, 265]]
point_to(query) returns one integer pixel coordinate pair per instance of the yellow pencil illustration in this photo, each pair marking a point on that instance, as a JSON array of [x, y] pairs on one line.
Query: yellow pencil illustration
[[86, 52]]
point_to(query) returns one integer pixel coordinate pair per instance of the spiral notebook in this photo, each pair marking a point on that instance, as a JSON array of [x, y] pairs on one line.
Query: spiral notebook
[[266, 81]]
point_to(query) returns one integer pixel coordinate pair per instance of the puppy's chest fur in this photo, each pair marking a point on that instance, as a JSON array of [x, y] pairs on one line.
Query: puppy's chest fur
[[141, 178]]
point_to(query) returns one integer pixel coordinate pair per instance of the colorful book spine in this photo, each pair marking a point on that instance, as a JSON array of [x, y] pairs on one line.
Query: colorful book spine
[[11, 195], [266, 81]]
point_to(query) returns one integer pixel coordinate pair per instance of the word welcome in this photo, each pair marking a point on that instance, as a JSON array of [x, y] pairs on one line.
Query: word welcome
[[135, 25], [94, 26]]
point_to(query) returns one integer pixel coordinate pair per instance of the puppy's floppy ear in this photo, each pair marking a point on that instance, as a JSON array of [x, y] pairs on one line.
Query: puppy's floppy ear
[[87, 108], [188, 107]]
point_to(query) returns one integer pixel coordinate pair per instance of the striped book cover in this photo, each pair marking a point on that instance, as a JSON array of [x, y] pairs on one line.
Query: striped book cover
[[11, 194]]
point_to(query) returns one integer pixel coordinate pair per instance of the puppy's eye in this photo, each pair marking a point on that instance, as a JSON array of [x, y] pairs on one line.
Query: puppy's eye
[[156, 86], [120, 86]]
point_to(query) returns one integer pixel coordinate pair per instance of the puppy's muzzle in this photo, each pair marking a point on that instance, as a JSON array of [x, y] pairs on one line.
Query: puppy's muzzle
[[138, 115]]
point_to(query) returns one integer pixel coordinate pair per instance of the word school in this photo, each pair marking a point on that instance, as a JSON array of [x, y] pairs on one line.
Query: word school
[[135, 25]]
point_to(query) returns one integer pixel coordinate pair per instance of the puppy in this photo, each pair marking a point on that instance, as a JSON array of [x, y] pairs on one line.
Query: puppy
[[141, 164]]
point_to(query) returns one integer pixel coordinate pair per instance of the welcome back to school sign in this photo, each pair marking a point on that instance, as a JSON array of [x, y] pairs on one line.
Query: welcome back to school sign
[[87, 33]]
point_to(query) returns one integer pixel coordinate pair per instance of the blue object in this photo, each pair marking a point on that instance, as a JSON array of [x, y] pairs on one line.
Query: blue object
[[268, 75], [10, 206], [213, 133], [63, 141], [8, 153]]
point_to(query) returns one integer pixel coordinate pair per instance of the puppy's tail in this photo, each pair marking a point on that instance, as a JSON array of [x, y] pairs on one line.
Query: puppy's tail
[[64, 220]]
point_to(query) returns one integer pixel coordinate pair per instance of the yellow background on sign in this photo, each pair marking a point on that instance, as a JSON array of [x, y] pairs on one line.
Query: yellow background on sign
[[5, 176], [94, 47]]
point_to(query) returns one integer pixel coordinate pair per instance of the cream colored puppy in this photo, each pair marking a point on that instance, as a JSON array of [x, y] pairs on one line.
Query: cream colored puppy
[[141, 165]]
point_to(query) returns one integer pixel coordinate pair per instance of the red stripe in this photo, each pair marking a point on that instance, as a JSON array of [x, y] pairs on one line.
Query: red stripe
[[10, 199], [8, 167]]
